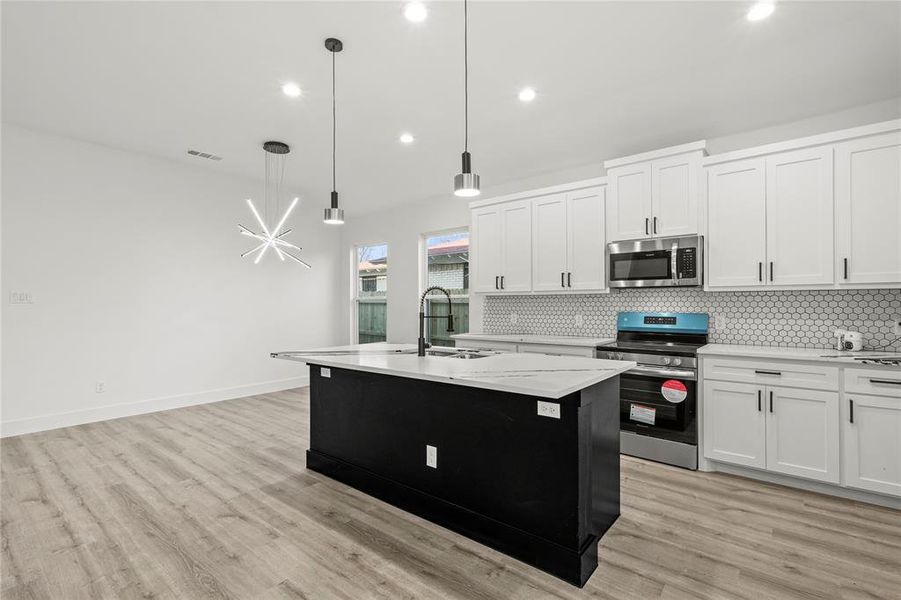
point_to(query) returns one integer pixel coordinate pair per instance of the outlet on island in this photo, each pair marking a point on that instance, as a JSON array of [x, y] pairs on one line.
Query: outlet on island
[[431, 456]]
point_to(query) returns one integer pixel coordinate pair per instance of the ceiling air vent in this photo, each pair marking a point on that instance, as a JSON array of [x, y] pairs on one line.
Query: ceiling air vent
[[204, 155]]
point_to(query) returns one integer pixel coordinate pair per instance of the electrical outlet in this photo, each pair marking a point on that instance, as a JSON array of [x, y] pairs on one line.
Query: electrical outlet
[[325, 371], [580, 321], [20, 298], [431, 456], [548, 409], [513, 318], [99, 387]]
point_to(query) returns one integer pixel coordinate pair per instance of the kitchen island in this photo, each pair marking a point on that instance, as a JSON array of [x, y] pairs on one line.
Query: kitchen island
[[519, 452]]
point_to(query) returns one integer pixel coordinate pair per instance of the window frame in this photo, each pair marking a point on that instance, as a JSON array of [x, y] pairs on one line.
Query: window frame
[[355, 298], [424, 266]]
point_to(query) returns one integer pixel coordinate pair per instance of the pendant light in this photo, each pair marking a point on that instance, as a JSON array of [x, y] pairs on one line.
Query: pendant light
[[275, 154], [333, 215], [466, 184]]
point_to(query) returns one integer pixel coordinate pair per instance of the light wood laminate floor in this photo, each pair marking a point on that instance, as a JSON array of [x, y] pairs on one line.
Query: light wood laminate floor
[[214, 501]]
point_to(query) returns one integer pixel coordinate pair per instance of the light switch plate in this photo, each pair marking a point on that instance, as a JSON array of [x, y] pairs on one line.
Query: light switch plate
[[325, 371], [431, 456], [548, 409], [20, 298]]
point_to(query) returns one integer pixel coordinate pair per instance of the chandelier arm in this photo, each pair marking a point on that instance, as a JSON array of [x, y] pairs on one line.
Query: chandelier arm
[[285, 217], [259, 220], [307, 265], [254, 250]]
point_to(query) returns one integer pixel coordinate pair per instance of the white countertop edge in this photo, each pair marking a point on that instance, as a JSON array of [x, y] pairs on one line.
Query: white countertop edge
[[824, 355], [523, 389], [528, 338]]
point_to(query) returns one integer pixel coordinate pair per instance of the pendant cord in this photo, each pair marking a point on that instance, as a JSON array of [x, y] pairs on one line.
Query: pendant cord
[[334, 125], [465, 76]]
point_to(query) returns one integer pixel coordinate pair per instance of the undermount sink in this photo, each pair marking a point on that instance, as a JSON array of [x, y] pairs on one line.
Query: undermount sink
[[456, 353]]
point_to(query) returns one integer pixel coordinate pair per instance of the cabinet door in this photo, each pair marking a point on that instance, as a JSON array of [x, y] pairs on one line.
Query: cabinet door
[[734, 423], [486, 249], [516, 251], [549, 243], [736, 205], [868, 209], [629, 205], [802, 433], [674, 186], [585, 239], [799, 209], [872, 443]]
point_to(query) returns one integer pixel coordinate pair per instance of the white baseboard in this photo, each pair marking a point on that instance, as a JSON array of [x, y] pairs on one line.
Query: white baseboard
[[810, 486], [117, 411]]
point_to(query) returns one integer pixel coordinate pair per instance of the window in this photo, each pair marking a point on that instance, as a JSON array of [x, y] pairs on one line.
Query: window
[[446, 264], [371, 293]]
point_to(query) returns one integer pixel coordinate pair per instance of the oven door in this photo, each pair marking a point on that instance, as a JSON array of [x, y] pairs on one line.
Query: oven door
[[659, 402]]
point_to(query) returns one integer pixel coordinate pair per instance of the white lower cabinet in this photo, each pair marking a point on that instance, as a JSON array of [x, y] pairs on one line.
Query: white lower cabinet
[[734, 423], [872, 442], [802, 433]]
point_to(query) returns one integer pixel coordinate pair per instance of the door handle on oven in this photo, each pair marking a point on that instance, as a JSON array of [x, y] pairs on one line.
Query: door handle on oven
[[676, 373]]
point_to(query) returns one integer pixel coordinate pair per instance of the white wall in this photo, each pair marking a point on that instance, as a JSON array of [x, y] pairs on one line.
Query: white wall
[[402, 227], [133, 264]]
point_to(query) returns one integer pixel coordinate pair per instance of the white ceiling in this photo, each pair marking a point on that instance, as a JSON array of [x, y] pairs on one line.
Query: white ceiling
[[613, 78]]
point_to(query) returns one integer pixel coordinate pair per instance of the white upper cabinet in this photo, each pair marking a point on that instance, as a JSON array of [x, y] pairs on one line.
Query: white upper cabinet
[[502, 247], [568, 241], [585, 241], [799, 217], [674, 195], [868, 210], [549, 243], [629, 206], [486, 249], [654, 194], [736, 236], [516, 241]]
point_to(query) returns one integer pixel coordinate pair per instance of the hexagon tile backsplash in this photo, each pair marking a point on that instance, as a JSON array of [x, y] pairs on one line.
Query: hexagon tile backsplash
[[805, 318]]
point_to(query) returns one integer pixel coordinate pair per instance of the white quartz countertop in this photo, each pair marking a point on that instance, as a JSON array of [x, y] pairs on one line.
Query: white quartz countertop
[[523, 338], [532, 374], [811, 354]]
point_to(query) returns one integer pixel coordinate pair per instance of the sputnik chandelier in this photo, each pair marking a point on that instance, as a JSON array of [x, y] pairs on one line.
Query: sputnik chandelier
[[275, 153]]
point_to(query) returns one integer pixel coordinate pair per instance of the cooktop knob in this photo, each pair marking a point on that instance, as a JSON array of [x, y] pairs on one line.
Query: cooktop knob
[[667, 360], [677, 361]]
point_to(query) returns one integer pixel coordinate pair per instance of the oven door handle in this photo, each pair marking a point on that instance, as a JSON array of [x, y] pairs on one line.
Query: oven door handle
[[663, 372]]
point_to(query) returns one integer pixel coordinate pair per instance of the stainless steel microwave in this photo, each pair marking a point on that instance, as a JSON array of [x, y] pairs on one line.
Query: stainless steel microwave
[[670, 262]]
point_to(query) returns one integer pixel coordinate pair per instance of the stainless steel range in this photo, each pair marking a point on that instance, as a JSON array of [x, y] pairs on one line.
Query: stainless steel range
[[658, 398]]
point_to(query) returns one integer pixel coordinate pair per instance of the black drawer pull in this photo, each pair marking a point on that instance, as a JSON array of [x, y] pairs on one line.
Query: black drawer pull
[[759, 393], [778, 373], [771, 401], [885, 381], [851, 408]]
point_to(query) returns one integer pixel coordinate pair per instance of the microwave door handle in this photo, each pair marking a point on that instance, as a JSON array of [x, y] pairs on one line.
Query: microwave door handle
[[673, 265]]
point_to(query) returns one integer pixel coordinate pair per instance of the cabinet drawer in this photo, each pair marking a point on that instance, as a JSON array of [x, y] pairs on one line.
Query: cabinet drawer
[[484, 345], [879, 382], [780, 373], [557, 349]]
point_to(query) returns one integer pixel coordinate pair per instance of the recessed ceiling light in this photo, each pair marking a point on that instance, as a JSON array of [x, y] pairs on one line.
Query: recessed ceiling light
[[416, 12], [292, 90], [760, 11], [526, 94], [407, 138]]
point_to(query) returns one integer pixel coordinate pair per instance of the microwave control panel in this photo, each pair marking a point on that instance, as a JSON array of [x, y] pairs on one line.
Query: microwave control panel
[[686, 263]]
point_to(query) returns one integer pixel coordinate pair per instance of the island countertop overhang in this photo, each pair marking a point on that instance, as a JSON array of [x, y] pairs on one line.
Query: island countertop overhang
[[539, 375]]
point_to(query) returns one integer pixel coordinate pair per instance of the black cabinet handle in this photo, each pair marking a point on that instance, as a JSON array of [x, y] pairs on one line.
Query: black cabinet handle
[[496, 279], [779, 373], [885, 381], [771, 401], [502, 282], [759, 394], [655, 225], [569, 280], [846, 267], [771, 270], [760, 271], [646, 226], [561, 279], [851, 409]]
